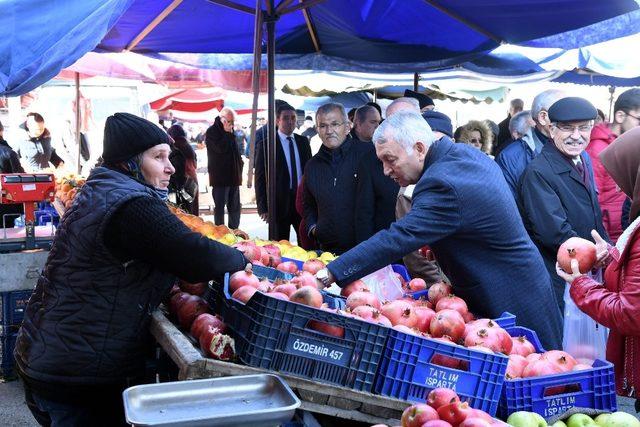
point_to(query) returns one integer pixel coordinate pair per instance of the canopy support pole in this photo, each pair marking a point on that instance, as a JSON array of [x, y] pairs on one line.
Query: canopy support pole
[[303, 5], [612, 90], [271, 122], [312, 29], [255, 83], [236, 6], [78, 122], [157, 20], [416, 79]]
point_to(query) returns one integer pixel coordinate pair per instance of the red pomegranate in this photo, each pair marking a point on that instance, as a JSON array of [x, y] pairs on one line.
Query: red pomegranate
[[437, 291], [540, 368], [454, 413], [304, 278], [363, 298], [481, 348], [424, 315], [479, 413], [244, 293], [313, 265], [307, 296], [176, 302], [447, 322], [371, 314], [265, 286], [352, 287], [217, 345], [407, 330], [400, 313], [287, 288], [191, 308], [522, 346], [272, 249], [452, 302], [243, 278], [564, 360], [580, 249], [193, 288], [441, 396], [497, 339], [205, 320], [416, 285], [533, 357], [418, 414], [516, 366], [472, 421], [436, 423], [250, 250], [287, 267]]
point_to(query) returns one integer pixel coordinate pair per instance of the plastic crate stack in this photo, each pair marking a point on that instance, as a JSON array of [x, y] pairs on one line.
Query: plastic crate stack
[[12, 307]]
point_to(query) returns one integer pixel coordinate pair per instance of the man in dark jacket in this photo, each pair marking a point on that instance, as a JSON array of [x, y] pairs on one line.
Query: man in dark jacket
[[472, 226], [292, 154], [513, 159], [504, 134], [556, 195], [37, 149], [9, 163], [331, 182], [225, 168]]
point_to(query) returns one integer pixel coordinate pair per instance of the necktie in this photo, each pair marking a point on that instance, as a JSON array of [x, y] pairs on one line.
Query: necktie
[[292, 160], [583, 175]]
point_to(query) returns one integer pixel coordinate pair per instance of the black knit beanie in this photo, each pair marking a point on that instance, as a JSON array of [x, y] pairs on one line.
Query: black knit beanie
[[126, 135]]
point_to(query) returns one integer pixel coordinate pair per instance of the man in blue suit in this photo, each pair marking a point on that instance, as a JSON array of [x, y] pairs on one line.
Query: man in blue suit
[[463, 209]]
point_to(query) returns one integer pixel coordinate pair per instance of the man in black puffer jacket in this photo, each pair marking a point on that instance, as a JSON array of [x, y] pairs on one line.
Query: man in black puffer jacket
[[115, 256], [331, 181]]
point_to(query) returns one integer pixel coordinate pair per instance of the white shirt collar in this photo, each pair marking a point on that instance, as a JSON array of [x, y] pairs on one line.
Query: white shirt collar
[[284, 136]]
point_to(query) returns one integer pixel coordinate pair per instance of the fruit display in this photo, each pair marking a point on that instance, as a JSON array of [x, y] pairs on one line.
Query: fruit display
[[66, 188], [615, 419]]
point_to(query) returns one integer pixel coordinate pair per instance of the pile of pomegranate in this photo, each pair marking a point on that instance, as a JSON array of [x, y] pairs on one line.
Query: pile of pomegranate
[[444, 409], [193, 314]]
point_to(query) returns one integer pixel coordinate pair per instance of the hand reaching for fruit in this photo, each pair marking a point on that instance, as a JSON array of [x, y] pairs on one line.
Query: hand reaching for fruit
[[575, 272], [602, 249]]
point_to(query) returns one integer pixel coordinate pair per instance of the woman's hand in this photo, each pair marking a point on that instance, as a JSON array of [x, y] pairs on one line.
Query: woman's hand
[[575, 272], [602, 249]]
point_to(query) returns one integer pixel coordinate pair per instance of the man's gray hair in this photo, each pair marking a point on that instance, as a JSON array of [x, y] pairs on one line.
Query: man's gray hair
[[406, 128], [520, 122], [226, 110], [544, 100], [332, 106], [403, 104], [361, 113]]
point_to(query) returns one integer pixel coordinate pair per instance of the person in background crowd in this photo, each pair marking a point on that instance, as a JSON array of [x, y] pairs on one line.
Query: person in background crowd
[[331, 181], [456, 133], [626, 116], [426, 103], [600, 117], [376, 106], [469, 227], [225, 168], [292, 154], [556, 194], [476, 134], [418, 265], [521, 125], [262, 131], [9, 163], [184, 182], [404, 103], [616, 302], [515, 157], [37, 149], [309, 128], [241, 138], [493, 127], [504, 135], [351, 114], [366, 120], [114, 258]]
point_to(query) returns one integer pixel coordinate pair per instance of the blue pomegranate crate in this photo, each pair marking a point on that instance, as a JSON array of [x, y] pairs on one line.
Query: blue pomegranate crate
[[553, 395], [277, 335], [12, 307], [7, 344], [401, 270], [412, 366], [297, 262]]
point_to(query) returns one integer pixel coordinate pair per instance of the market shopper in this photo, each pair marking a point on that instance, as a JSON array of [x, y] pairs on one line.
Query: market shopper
[[365, 122], [476, 134], [462, 209], [37, 149], [616, 303], [115, 256], [183, 185], [9, 163], [556, 194], [225, 168]]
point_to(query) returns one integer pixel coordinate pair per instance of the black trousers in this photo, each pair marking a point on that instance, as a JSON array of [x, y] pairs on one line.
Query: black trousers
[[285, 220], [229, 197]]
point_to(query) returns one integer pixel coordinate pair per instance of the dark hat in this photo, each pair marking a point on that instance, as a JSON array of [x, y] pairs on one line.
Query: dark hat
[[572, 109], [424, 100], [439, 122], [126, 135]]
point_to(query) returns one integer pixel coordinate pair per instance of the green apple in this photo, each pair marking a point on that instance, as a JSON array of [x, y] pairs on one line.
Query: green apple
[[526, 419], [619, 419], [602, 419], [580, 420], [559, 424]]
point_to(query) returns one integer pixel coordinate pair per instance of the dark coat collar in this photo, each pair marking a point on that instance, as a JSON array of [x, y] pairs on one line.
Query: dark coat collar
[[437, 150], [560, 164], [328, 153]]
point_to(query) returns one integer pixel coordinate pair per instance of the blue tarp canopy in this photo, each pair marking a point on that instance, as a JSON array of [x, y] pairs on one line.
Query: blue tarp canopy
[[40, 37]]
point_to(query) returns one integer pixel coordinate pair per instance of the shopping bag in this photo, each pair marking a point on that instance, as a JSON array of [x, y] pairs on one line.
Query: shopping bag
[[385, 284], [583, 337]]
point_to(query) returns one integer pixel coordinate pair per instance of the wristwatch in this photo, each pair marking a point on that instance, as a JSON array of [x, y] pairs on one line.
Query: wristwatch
[[323, 276]]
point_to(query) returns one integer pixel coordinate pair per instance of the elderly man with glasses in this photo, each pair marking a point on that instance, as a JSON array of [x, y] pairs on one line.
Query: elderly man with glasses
[[557, 195]]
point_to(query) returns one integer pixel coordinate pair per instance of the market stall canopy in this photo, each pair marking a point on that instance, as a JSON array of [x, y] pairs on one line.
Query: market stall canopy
[[359, 35], [191, 100]]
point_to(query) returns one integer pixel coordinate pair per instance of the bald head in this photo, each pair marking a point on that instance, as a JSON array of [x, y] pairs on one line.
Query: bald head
[[403, 104]]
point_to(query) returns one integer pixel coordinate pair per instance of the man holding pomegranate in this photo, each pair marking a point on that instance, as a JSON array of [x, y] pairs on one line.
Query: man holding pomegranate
[[557, 195], [471, 225]]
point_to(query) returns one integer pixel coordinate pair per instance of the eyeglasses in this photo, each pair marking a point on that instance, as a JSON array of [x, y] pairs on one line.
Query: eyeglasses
[[324, 127], [631, 115], [572, 129]]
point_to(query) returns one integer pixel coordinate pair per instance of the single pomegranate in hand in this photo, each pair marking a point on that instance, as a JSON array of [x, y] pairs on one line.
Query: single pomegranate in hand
[[580, 249]]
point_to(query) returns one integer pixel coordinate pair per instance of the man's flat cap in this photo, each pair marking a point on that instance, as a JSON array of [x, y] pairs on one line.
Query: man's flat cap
[[572, 109]]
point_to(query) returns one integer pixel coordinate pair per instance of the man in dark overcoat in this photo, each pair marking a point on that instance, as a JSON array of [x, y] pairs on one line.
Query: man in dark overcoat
[[556, 194], [463, 209]]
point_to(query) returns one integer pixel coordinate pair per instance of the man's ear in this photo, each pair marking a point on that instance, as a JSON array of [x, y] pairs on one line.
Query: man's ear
[[420, 148], [618, 116], [543, 118]]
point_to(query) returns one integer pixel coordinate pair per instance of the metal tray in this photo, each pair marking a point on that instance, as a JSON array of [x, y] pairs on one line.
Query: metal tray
[[249, 400]]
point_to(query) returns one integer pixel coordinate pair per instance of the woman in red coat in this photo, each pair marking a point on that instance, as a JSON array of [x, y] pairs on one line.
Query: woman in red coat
[[616, 303]]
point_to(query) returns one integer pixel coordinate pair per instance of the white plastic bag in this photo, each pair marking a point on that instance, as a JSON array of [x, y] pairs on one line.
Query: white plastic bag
[[384, 284], [583, 337]]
